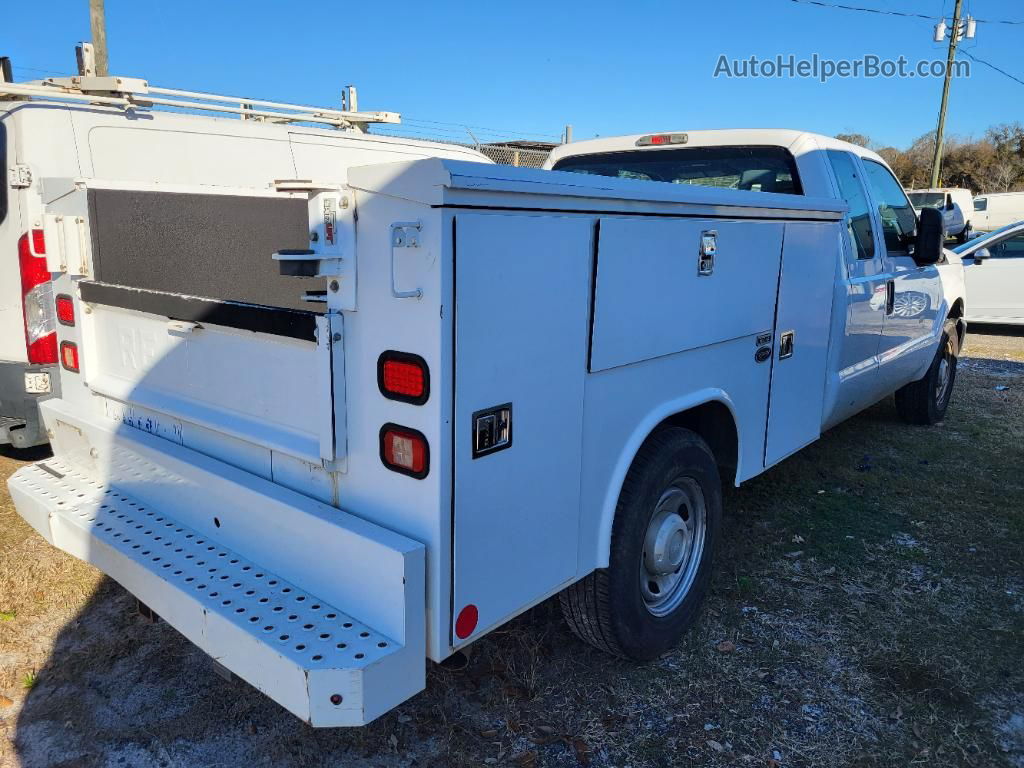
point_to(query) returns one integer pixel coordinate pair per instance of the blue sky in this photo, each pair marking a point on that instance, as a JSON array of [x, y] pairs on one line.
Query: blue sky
[[529, 68]]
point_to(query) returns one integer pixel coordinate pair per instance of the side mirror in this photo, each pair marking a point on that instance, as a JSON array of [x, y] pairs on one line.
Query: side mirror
[[981, 254], [930, 237]]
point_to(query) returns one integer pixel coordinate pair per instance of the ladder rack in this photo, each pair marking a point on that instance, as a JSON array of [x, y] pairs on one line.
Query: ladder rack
[[134, 93]]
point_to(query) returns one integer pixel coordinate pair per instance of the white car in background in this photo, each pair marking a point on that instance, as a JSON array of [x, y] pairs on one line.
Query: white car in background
[[955, 203], [994, 272], [997, 210]]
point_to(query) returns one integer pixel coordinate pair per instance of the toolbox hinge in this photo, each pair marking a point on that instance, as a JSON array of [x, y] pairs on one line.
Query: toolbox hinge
[[20, 176]]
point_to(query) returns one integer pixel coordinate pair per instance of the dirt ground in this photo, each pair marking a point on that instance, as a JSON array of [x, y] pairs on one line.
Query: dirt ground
[[867, 610]]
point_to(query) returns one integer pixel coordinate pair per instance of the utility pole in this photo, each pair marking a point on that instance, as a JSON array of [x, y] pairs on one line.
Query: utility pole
[[956, 33], [97, 20]]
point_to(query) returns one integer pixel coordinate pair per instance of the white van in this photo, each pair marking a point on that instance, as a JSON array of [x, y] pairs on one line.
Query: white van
[[998, 210], [955, 203], [44, 143]]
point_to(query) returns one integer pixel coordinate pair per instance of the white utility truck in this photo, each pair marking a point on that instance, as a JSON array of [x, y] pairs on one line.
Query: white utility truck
[[519, 383]]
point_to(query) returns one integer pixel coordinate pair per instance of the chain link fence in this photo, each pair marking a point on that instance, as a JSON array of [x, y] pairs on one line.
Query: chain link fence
[[507, 154], [501, 153]]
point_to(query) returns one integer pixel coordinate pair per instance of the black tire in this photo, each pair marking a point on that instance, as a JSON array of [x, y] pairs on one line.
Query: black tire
[[965, 234], [607, 608], [924, 401]]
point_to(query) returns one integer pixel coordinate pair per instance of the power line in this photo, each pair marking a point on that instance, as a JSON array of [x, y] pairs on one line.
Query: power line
[[992, 66], [904, 14]]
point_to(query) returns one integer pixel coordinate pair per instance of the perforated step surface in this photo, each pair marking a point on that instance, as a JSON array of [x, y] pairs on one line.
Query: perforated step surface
[[301, 627]]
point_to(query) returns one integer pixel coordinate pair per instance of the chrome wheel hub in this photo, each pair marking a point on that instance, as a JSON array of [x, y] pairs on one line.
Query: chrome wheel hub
[[673, 545], [945, 369]]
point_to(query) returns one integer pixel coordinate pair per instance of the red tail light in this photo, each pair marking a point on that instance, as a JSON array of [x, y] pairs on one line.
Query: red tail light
[[37, 299], [403, 376], [69, 356], [65, 310], [404, 450]]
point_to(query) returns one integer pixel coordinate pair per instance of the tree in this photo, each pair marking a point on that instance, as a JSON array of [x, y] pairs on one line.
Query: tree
[[855, 138], [993, 163]]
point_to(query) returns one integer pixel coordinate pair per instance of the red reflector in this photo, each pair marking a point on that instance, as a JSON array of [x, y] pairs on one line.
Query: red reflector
[[466, 623], [659, 139], [43, 350], [65, 310], [404, 450], [403, 376], [69, 356]]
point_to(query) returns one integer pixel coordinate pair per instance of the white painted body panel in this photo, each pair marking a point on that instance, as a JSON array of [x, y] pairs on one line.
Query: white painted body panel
[[995, 285], [999, 209]]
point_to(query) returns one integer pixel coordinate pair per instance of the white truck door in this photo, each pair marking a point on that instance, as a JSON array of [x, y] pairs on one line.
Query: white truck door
[[522, 294], [802, 328], [995, 286], [861, 297], [915, 293]]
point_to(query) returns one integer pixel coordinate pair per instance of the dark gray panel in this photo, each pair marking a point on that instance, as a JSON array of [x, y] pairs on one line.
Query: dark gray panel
[[213, 246]]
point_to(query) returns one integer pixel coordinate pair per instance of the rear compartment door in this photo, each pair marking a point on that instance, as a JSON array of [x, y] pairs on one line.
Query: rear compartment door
[[186, 315], [522, 292], [803, 320]]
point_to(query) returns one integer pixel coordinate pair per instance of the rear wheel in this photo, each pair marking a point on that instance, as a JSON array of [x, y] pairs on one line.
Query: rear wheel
[[965, 234], [925, 401], [666, 525]]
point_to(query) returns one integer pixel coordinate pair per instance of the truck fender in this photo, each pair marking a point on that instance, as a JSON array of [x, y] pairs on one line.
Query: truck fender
[[641, 431]]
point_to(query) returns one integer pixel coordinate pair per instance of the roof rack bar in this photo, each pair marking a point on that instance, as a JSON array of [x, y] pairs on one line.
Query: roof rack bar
[[129, 93], [50, 92], [243, 110], [343, 114]]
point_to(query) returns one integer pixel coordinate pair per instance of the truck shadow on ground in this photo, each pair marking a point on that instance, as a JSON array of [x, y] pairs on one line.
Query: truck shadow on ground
[[864, 609]]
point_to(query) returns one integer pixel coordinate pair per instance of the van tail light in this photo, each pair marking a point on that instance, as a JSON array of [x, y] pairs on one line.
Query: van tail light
[[69, 356], [404, 450], [403, 376], [65, 310], [37, 299]]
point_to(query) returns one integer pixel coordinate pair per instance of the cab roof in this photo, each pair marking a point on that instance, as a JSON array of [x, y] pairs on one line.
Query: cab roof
[[797, 142]]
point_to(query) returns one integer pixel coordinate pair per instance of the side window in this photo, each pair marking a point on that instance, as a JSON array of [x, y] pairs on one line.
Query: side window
[[858, 221], [1010, 248], [981, 204], [897, 214]]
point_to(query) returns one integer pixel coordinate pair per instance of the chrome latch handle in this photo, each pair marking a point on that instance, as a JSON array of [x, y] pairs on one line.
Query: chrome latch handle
[[706, 254]]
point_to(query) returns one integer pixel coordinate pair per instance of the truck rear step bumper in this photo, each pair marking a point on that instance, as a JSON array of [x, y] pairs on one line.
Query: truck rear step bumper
[[314, 656]]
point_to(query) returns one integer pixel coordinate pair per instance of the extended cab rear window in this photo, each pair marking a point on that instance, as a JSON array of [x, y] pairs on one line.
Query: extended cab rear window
[[761, 169]]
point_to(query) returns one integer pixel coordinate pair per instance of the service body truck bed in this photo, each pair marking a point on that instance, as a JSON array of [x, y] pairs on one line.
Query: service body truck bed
[[321, 500]]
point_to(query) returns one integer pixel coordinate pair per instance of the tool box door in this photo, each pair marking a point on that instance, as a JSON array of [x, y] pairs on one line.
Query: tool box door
[[522, 295], [803, 321]]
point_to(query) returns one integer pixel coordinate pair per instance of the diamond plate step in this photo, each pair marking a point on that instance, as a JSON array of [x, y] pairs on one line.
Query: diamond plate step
[[316, 659]]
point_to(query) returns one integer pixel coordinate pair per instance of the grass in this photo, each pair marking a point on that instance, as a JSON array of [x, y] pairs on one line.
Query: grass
[[28, 681], [870, 588]]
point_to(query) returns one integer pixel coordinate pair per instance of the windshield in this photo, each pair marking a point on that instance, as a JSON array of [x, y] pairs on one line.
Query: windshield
[[970, 245], [760, 169], [927, 199]]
